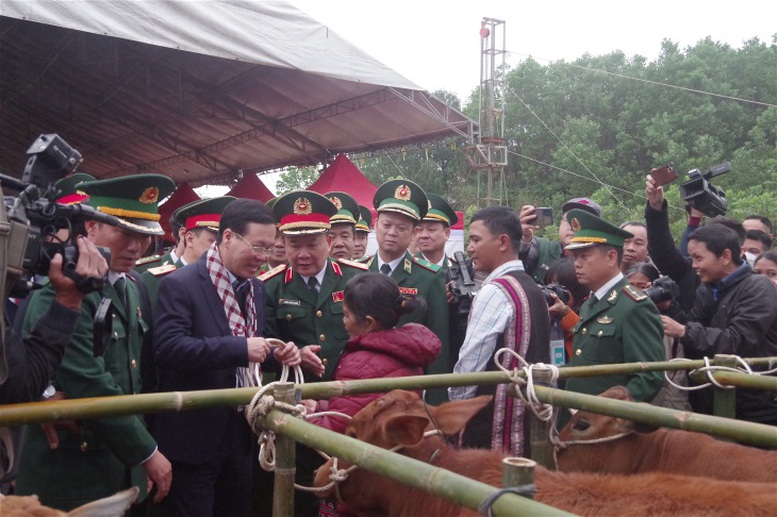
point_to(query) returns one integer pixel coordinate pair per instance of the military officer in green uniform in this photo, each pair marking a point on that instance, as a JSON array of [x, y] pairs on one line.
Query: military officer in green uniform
[[109, 454], [200, 220], [343, 230], [305, 296], [277, 254], [618, 323], [434, 230], [401, 204], [363, 229]]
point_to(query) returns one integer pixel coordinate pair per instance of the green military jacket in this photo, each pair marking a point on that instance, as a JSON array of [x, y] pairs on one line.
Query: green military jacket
[[624, 327], [550, 251], [446, 263], [106, 456], [416, 277], [153, 276], [146, 263], [295, 314]]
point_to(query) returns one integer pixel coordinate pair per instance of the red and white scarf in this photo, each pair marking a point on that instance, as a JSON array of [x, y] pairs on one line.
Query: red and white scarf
[[240, 326]]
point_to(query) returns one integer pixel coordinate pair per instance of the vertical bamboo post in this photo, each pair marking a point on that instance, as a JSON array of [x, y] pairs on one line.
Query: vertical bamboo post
[[285, 460], [517, 472], [724, 403], [539, 430]]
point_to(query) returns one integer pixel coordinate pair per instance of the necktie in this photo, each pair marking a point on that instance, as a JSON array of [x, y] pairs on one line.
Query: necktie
[[241, 291], [313, 285], [385, 269], [121, 288]]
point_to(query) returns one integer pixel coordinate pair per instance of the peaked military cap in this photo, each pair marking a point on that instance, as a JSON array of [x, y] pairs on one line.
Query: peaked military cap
[[592, 231], [303, 212], [202, 213], [440, 210], [403, 197], [582, 203], [68, 193], [134, 200], [271, 203], [365, 219], [347, 207]]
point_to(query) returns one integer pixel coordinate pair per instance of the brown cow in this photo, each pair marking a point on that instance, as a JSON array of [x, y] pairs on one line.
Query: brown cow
[[400, 418], [29, 506], [662, 450]]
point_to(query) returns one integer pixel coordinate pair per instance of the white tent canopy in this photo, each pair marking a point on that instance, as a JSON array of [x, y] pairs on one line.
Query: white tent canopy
[[199, 90]]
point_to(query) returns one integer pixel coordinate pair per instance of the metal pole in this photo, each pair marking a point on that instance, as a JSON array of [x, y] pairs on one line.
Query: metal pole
[[518, 472], [285, 460], [725, 402]]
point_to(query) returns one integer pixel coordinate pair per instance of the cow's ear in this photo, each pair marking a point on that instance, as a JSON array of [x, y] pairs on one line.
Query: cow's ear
[[452, 417], [405, 430]]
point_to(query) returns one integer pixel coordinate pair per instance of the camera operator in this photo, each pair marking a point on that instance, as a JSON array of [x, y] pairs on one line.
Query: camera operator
[[734, 313], [663, 292], [33, 357], [562, 272]]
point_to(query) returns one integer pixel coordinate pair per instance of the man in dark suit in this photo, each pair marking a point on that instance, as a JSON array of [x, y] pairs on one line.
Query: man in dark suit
[[210, 316]]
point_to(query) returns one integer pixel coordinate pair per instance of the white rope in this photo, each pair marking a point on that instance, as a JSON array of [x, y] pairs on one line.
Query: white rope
[[543, 411], [709, 369]]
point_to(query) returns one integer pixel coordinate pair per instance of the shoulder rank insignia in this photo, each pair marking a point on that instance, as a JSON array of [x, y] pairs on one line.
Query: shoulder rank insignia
[[426, 264], [604, 320], [612, 297], [633, 293], [370, 261], [273, 272], [336, 269], [162, 270], [353, 263], [147, 260]]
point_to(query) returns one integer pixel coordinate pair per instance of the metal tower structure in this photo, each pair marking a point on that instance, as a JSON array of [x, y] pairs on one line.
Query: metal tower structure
[[487, 151]]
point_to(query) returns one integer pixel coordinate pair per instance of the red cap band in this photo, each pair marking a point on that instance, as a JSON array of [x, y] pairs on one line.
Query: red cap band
[[202, 220]]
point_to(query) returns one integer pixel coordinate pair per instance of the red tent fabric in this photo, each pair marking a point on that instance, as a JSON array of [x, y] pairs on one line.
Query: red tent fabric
[[344, 176], [183, 194], [251, 187]]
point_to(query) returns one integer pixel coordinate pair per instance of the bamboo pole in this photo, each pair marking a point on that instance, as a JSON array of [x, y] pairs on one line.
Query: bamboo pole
[[724, 403], [741, 431], [422, 476], [518, 472], [539, 430], [285, 460], [740, 380]]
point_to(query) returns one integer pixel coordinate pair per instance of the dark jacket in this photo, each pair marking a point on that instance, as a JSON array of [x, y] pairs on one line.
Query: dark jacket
[[195, 350], [398, 352], [667, 257], [736, 316]]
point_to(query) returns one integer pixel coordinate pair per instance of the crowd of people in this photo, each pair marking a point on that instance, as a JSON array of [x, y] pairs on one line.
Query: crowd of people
[[296, 269]]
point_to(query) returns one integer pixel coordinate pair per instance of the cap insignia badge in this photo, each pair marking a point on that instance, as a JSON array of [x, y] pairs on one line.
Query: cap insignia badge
[[150, 195], [302, 207], [337, 202], [576, 225], [402, 193]]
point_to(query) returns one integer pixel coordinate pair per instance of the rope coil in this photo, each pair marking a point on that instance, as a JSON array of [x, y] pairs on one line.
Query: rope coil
[[526, 383], [709, 369]]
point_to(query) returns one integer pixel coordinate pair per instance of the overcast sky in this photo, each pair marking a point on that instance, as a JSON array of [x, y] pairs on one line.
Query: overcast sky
[[436, 44]]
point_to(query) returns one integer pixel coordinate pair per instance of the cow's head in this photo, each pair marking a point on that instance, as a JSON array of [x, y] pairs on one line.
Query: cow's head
[[398, 418]]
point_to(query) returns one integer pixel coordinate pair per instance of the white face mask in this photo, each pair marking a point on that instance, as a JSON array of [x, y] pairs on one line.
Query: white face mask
[[750, 258]]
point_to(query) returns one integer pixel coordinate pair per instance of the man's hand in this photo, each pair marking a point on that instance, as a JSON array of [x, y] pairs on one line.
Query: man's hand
[[288, 354], [90, 263], [655, 195], [527, 215], [558, 309], [311, 362], [257, 349], [50, 428], [160, 473], [672, 328]]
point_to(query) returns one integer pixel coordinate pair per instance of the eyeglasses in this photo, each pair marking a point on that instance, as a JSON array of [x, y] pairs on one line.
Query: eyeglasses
[[256, 250]]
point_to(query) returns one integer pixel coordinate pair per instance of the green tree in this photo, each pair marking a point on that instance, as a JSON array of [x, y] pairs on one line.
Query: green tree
[[296, 178]]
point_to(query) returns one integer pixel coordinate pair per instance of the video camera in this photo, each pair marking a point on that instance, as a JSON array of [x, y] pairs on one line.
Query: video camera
[[663, 289], [34, 218], [702, 195], [463, 287]]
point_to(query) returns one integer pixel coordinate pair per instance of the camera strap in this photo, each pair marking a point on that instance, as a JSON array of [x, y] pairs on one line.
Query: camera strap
[[5, 232]]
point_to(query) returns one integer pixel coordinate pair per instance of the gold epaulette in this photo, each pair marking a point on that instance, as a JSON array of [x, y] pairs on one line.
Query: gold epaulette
[[162, 270], [273, 272], [147, 260], [353, 263], [633, 293]]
